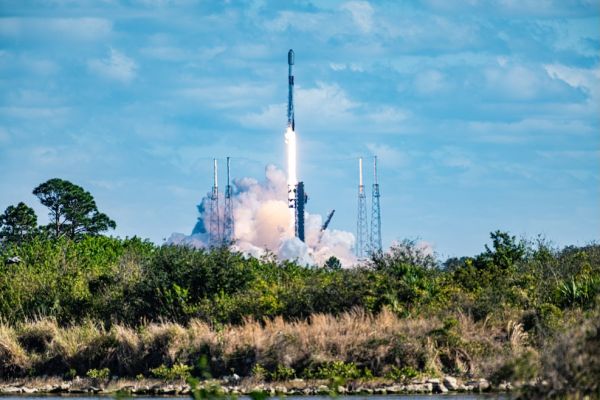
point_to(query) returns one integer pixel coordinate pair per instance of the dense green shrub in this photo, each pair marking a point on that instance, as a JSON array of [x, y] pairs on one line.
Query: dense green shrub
[[283, 373], [98, 374], [131, 280], [340, 369], [176, 372]]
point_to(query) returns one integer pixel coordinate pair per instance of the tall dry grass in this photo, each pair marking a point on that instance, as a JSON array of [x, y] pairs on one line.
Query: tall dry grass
[[14, 359], [378, 342]]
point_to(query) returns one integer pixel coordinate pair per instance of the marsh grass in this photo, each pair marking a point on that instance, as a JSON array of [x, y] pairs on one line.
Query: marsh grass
[[376, 344], [14, 360]]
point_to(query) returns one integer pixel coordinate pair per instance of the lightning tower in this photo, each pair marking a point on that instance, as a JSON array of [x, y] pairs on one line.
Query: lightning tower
[[362, 230], [375, 212], [228, 227], [215, 226]]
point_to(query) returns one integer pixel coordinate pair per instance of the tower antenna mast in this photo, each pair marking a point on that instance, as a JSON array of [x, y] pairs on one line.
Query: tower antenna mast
[[215, 226], [361, 223], [375, 212]]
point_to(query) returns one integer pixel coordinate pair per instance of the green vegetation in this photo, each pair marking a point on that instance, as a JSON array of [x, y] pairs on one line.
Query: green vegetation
[[340, 369], [74, 302], [98, 374], [176, 372], [129, 281], [73, 211], [18, 223]]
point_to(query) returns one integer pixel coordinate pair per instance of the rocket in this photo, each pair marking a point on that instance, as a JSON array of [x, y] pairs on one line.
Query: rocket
[[296, 196], [290, 110], [290, 140]]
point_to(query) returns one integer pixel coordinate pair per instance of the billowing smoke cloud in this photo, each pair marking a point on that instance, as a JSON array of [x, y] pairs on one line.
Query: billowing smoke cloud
[[262, 224]]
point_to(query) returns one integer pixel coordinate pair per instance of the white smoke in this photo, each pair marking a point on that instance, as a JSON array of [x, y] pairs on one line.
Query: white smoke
[[262, 225]]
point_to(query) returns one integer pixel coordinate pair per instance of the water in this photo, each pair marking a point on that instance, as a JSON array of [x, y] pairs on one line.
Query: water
[[457, 396]]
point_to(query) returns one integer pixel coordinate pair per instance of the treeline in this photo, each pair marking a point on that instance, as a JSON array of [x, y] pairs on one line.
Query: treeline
[[68, 270], [131, 280]]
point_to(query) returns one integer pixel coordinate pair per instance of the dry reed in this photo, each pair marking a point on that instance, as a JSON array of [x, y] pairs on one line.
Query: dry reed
[[378, 342]]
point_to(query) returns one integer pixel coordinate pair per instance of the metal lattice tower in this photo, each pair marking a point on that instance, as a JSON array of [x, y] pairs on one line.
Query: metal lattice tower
[[362, 229], [215, 226], [375, 212], [228, 227]]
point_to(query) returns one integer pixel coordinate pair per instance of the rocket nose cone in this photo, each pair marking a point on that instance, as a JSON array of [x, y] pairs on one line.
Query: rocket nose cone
[[291, 57]]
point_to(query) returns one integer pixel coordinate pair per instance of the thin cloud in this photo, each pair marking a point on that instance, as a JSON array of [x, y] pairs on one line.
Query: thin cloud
[[76, 29], [116, 66], [362, 14], [389, 156]]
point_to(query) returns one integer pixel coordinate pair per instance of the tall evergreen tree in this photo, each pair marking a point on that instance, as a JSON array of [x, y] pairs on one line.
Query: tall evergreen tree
[[17, 223], [73, 211]]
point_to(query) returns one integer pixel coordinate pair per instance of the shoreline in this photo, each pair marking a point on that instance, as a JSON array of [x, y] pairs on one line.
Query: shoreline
[[296, 387]]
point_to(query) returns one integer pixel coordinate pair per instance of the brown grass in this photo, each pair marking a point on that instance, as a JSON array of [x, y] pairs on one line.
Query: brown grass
[[572, 365], [13, 358], [378, 342]]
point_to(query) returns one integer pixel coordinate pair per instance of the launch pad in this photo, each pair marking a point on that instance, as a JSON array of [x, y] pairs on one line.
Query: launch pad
[[220, 224]]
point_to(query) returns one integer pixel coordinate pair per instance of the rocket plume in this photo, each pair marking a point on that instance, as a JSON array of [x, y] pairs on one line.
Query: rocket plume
[[261, 225], [292, 178], [263, 222]]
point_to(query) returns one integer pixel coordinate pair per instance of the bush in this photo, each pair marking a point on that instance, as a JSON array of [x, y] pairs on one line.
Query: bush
[[98, 374], [340, 369], [128, 281], [402, 374], [572, 364], [283, 373], [176, 372], [259, 372], [520, 369]]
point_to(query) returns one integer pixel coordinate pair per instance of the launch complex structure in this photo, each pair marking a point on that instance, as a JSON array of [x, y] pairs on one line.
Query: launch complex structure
[[221, 231], [368, 241]]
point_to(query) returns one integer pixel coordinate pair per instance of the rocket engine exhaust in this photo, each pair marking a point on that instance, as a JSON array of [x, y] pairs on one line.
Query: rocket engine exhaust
[[292, 179], [263, 219]]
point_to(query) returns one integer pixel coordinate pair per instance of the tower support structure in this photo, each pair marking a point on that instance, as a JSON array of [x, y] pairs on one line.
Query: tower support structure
[[375, 212], [228, 225], [362, 228], [301, 199], [215, 225]]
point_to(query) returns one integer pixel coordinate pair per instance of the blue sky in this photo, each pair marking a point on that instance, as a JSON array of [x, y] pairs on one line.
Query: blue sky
[[484, 114]]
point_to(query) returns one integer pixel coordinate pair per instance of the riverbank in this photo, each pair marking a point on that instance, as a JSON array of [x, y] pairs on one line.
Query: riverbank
[[126, 311], [295, 387], [353, 353]]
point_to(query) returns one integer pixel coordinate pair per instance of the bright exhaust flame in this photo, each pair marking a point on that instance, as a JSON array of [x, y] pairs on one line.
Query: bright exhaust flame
[[292, 178], [290, 141]]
